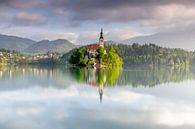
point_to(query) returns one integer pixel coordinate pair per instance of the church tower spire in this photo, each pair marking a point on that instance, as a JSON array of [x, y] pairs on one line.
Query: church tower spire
[[101, 91], [101, 39], [101, 33]]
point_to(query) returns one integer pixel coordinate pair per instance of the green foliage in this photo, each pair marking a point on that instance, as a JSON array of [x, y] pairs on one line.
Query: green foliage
[[112, 58], [150, 54], [78, 57], [100, 51], [101, 76], [113, 74]]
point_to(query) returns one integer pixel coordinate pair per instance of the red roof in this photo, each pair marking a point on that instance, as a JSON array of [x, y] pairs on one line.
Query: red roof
[[93, 47], [92, 83]]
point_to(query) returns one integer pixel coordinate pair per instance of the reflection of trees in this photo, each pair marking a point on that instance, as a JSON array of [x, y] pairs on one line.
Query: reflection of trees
[[138, 76], [96, 77], [101, 77], [113, 75], [154, 76]]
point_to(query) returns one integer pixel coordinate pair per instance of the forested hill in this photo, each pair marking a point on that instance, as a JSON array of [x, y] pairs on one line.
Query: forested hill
[[151, 54]]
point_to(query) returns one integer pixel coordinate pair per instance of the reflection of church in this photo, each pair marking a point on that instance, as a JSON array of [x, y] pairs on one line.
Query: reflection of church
[[96, 78]]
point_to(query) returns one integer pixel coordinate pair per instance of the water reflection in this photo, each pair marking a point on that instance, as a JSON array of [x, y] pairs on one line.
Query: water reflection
[[68, 98], [110, 77], [139, 76], [61, 77]]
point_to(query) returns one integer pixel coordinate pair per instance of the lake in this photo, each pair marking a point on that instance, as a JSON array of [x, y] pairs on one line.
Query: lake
[[75, 98]]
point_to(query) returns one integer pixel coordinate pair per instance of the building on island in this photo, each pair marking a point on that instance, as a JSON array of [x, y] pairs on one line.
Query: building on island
[[92, 48], [92, 53], [101, 39]]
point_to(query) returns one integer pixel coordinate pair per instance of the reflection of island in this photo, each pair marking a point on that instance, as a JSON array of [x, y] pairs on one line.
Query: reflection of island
[[97, 77], [134, 77]]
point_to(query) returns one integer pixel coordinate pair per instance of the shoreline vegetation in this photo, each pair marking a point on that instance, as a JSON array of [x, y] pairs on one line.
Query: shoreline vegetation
[[100, 58], [116, 55]]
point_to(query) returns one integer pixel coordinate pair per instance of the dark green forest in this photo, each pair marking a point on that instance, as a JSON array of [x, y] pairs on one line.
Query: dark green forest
[[151, 54]]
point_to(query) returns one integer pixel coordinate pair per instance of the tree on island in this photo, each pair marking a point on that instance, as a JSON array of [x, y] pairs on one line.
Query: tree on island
[[112, 58]]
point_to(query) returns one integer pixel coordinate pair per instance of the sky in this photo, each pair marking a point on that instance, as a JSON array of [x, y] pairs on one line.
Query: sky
[[80, 20]]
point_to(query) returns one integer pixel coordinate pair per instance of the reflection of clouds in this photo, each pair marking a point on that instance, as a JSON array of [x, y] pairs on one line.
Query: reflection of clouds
[[29, 110], [78, 107], [174, 117]]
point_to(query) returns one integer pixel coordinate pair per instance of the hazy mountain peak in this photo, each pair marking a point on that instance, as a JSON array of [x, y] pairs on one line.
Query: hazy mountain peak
[[59, 45], [177, 39], [14, 42]]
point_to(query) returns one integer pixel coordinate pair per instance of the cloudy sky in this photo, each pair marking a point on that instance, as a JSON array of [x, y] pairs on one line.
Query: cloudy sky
[[80, 20]]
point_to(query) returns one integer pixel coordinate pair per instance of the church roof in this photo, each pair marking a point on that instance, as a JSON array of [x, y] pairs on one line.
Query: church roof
[[93, 47]]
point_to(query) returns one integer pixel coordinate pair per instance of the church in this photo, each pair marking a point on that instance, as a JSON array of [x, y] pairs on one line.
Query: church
[[91, 52], [92, 48]]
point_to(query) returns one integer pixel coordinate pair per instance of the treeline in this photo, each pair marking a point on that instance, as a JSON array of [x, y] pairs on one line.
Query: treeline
[[8, 58], [133, 76], [151, 54]]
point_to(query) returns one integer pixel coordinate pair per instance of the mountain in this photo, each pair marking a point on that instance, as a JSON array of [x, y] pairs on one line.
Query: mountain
[[178, 39], [14, 43], [112, 42], [60, 45]]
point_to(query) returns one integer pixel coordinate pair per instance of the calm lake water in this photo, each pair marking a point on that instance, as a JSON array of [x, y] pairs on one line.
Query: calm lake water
[[73, 98]]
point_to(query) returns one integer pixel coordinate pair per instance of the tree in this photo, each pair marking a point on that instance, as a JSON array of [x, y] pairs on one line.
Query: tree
[[78, 57], [112, 58], [100, 56]]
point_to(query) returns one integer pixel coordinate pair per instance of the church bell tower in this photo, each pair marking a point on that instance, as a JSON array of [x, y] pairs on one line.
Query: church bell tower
[[101, 39]]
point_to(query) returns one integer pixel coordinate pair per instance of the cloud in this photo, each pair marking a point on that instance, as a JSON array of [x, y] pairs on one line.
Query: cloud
[[148, 15], [145, 12], [22, 4], [172, 15], [88, 37], [121, 34], [24, 18]]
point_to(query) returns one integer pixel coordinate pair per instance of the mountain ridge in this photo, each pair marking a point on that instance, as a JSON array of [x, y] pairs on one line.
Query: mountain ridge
[[14, 42], [30, 46], [58, 45], [178, 39]]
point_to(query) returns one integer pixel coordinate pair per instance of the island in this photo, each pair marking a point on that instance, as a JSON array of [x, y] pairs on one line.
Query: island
[[96, 55]]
